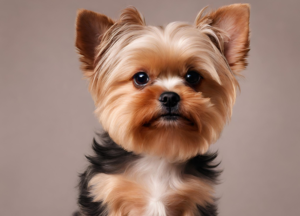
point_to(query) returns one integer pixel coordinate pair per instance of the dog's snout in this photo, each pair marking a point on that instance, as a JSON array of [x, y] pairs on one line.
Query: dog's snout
[[169, 99]]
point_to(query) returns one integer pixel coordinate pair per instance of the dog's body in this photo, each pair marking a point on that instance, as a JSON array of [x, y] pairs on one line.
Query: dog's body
[[132, 179], [163, 96]]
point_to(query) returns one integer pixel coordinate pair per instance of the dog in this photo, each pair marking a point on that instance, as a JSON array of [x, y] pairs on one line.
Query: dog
[[162, 95]]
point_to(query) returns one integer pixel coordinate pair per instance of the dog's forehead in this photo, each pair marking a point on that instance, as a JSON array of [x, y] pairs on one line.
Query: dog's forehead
[[177, 41], [173, 49]]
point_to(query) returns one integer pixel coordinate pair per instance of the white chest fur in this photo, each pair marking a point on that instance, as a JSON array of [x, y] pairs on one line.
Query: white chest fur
[[159, 177]]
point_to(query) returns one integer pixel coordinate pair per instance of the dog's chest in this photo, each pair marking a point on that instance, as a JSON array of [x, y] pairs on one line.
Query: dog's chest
[[159, 178], [150, 186]]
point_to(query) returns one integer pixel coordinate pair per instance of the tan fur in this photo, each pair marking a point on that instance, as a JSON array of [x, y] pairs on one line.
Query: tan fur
[[122, 196]]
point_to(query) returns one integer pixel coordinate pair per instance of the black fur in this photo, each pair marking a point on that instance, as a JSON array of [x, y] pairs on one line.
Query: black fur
[[110, 158], [208, 210], [203, 166]]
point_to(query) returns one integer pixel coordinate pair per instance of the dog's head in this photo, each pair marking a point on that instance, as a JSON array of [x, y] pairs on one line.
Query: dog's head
[[164, 91]]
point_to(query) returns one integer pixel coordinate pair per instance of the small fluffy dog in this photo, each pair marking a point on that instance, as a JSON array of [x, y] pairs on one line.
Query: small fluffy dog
[[163, 95]]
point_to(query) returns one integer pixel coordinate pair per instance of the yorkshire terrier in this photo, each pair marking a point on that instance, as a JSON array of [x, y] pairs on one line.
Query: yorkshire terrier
[[162, 95]]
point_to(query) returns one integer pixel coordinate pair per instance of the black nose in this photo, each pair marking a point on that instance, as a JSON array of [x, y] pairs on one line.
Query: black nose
[[169, 99]]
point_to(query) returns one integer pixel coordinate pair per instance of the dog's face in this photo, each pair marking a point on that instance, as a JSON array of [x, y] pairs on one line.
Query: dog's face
[[164, 91]]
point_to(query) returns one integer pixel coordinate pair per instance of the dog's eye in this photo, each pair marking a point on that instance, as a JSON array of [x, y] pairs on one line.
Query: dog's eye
[[193, 77], [141, 79]]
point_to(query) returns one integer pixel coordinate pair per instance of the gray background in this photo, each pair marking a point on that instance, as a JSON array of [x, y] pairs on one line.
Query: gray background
[[47, 120]]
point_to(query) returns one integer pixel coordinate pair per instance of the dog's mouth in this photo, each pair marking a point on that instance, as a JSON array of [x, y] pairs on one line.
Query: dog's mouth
[[170, 118]]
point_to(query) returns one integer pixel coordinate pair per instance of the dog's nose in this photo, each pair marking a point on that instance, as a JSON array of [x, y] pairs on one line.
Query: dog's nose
[[169, 99]]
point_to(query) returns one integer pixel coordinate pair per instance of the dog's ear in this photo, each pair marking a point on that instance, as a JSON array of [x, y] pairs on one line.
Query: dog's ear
[[233, 21], [132, 16], [90, 27]]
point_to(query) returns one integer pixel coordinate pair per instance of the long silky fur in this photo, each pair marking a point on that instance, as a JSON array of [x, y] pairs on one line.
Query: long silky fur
[[110, 158]]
